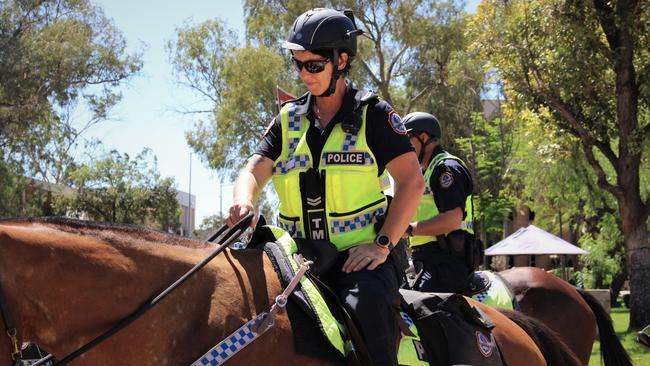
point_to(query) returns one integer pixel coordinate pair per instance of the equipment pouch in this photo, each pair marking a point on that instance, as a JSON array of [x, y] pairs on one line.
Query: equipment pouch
[[313, 205]]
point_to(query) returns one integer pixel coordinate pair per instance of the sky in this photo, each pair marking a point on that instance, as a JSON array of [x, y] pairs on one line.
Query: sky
[[147, 114]]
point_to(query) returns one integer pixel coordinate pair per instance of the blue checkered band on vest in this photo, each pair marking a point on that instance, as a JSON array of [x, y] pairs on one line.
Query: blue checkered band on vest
[[407, 319], [296, 161], [292, 229], [294, 119], [350, 142], [293, 143], [480, 297], [427, 189], [354, 223], [231, 345]]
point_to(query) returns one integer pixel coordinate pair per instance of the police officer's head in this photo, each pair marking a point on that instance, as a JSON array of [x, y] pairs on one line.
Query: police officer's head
[[424, 128], [323, 42]]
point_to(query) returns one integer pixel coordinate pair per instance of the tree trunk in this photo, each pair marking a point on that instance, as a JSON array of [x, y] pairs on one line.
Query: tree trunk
[[637, 251], [639, 265], [617, 284]]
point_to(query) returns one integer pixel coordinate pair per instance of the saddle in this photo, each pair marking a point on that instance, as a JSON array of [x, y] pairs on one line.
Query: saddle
[[438, 329]]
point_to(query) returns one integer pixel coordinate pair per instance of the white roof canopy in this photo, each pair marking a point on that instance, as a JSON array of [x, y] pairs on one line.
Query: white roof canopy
[[532, 240]]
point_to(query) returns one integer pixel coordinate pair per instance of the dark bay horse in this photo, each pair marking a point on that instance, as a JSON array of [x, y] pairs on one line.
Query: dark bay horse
[[573, 314], [67, 281]]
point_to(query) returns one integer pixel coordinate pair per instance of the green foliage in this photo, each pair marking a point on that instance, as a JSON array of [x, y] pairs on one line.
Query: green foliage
[[50, 53], [55, 57], [118, 188], [638, 353], [209, 226], [414, 53], [603, 260], [238, 84], [488, 151], [581, 69]]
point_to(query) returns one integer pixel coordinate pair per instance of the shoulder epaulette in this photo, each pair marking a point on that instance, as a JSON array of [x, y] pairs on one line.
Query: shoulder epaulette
[[352, 122]]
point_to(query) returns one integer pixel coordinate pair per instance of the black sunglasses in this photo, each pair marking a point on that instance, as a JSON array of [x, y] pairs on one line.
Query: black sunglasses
[[312, 66]]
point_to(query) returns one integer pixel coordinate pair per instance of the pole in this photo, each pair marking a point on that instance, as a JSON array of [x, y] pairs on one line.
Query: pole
[[189, 204], [221, 196]]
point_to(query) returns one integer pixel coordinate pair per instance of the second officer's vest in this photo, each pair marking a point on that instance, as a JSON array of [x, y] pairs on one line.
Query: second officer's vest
[[428, 209], [352, 193]]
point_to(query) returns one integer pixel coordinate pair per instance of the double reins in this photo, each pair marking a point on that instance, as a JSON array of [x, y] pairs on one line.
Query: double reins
[[223, 237]]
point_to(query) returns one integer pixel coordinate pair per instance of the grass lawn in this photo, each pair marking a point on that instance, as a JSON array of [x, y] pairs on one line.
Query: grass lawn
[[640, 355]]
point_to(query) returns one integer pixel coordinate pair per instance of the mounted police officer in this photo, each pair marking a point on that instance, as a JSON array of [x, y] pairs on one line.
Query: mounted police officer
[[442, 235], [326, 153]]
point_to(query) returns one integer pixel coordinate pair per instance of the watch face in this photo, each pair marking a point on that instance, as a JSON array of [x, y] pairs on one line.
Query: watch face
[[383, 240]]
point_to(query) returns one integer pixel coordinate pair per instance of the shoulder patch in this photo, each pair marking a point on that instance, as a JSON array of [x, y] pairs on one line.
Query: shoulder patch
[[446, 179], [485, 344], [396, 123]]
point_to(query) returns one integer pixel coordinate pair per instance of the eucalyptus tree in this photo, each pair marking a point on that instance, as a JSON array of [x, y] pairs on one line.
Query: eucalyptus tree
[[56, 57], [588, 64]]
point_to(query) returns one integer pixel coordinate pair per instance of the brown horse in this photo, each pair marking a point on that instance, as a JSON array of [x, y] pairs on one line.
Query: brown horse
[[572, 313], [66, 282]]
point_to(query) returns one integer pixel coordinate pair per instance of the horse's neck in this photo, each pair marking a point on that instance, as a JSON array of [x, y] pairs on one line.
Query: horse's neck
[[67, 288]]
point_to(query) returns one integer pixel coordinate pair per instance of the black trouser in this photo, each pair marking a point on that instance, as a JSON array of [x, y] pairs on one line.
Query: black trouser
[[441, 271], [369, 295]]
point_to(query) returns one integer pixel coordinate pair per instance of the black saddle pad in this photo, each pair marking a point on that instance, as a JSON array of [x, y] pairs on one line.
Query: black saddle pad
[[451, 330]]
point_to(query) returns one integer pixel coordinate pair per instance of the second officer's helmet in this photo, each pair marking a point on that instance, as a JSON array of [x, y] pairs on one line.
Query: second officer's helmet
[[422, 122]]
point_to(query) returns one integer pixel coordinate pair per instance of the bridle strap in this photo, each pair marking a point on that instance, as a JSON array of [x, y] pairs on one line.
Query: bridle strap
[[10, 329]]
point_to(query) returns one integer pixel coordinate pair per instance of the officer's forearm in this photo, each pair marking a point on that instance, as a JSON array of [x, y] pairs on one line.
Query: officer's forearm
[[252, 179], [402, 208], [441, 224]]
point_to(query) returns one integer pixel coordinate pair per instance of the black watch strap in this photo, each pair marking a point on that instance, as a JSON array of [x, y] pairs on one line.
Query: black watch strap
[[409, 230]]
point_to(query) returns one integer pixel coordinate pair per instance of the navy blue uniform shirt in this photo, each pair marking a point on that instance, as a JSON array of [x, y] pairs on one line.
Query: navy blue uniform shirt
[[451, 183], [385, 132]]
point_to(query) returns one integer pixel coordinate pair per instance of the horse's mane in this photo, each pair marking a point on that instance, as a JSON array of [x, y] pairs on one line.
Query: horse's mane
[[112, 232]]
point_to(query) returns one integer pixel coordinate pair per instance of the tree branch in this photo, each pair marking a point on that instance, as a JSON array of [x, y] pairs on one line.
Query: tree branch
[[608, 22], [600, 173], [417, 97], [396, 59]]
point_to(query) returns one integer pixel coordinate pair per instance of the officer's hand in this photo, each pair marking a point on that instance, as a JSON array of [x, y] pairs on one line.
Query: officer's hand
[[365, 256], [238, 211]]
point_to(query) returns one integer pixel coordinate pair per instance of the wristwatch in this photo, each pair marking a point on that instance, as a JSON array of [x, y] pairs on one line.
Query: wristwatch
[[384, 241]]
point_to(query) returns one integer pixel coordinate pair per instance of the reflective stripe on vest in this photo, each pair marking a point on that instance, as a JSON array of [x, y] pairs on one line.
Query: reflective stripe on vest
[[428, 209], [353, 191], [328, 323]]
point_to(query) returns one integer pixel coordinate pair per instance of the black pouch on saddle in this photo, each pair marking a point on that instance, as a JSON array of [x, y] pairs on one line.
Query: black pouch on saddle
[[451, 330]]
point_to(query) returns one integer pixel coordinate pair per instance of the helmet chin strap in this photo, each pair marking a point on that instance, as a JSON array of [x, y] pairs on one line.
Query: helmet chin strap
[[422, 149], [335, 75]]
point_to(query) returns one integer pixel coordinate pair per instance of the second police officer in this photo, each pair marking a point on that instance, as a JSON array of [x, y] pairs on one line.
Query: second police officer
[[442, 235]]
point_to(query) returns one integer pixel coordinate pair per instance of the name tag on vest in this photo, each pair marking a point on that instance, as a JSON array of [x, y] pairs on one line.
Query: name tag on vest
[[345, 158]]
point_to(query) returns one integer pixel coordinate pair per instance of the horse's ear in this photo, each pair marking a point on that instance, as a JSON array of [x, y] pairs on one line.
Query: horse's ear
[[261, 235]]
